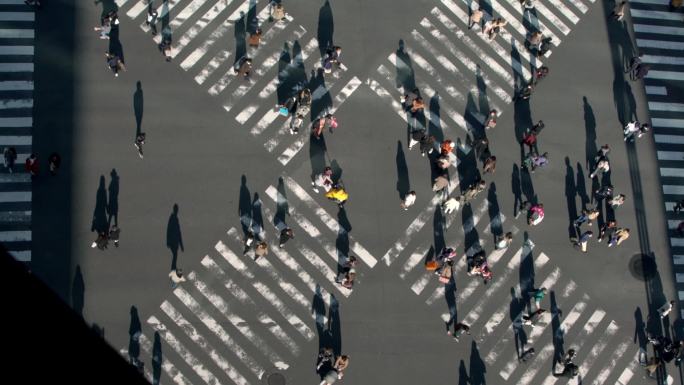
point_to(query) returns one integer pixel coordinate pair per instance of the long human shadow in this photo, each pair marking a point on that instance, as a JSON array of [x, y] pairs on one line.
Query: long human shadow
[[342, 247], [326, 28], [590, 132], [335, 326], [526, 271], [321, 98], [530, 20], [252, 20], [483, 99], [343, 220], [115, 46], [468, 171], [240, 35], [174, 238], [516, 306], [134, 330], [518, 80], [557, 334], [434, 126], [282, 206], [516, 189], [336, 170], [527, 186], [166, 18], [99, 223], [570, 194], [403, 182], [472, 237], [113, 203], [640, 329], [405, 74], [157, 359], [450, 298], [283, 62], [438, 230], [522, 117], [317, 155], [245, 206], [318, 310], [257, 216], [469, 114], [463, 378], [107, 6], [477, 366], [138, 102], [495, 224], [582, 188], [78, 292]]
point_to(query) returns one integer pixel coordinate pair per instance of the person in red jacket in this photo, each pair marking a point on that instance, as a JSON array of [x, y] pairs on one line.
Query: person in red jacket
[[32, 164]]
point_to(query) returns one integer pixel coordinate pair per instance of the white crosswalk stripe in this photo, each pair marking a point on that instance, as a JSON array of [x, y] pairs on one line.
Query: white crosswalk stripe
[[16, 65]]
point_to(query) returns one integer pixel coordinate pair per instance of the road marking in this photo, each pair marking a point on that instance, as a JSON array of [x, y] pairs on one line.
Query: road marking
[[15, 196], [659, 15], [672, 172], [17, 34], [15, 236], [16, 67], [178, 19], [658, 29], [211, 15], [17, 85], [168, 367], [17, 122], [213, 325], [237, 322], [667, 75], [541, 26], [16, 50], [21, 256], [670, 155], [242, 296], [678, 259], [137, 9], [266, 292], [192, 361], [667, 139], [661, 106], [17, 16], [661, 44], [6, 104], [605, 372], [655, 90], [331, 223]]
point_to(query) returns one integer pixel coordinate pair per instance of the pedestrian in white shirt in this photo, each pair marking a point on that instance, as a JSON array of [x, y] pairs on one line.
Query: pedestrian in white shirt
[[409, 200], [666, 309], [176, 277]]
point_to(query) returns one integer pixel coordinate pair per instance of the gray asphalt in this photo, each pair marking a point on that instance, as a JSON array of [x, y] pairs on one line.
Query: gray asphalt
[[196, 154]]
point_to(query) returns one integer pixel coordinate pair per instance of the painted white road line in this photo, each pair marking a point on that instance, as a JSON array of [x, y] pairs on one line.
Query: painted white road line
[[659, 59], [16, 67], [180, 18], [239, 294], [15, 178], [213, 64], [162, 10], [666, 75], [661, 44], [662, 106], [340, 98], [612, 363], [15, 196], [12, 2], [658, 29], [679, 277], [669, 123], [673, 223], [21, 256], [18, 85], [192, 361], [266, 292], [15, 236], [17, 16], [200, 51], [303, 55], [16, 50], [146, 370], [239, 323], [212, 324], [463, 17], [384, 94], [567, 12], [677, 242], [672, 172], [6, 104], [137, 9], [670, 155], [555, 40], [17, 34], [421, 62], [329, 221], [16, 122], [656, 90], [551, 17], [306, 225], [675, 139], [168, 367], [211, 15], [16, 140], [678, 259], [493, 65], [655, 2], [467, 62]]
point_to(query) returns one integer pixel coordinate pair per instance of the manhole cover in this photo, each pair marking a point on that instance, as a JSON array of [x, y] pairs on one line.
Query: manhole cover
[[643, 267], [276, 379]]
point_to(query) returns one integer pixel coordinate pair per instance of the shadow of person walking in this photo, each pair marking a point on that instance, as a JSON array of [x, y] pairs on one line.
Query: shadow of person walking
[[326, 28], [78, 292], [113, 203], [99, 224], [174, 239], [157, 359], [138, 104]]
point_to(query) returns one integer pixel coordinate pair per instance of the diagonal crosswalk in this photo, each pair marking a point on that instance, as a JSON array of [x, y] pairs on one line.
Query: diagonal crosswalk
[[17, 37]]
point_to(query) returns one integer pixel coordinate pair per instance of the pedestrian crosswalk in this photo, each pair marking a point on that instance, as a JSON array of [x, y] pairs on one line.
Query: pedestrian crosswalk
[[17, 36], [658, 32], [236, 320], [286, 60]]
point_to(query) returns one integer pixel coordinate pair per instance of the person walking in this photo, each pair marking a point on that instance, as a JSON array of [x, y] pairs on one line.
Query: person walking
[[285, 235], [587, 216], [619, 11], [440, 185], [538, 295], [634, 63], [535, 214], [490, 122], [652, 366], [489, 165], [607, 230], [244, 68], [261, 250], [10, 154], [409, 200], [475, 16], [459, 329], [32, 165], [151, 20], [473, 191], [114, 233], [105, 29], [619, 236], [323, 180], [139, 141], [341, 363], [581, 242], [54, 161], [617, 201], [276, 11], [664, 310], [101, 241], [676, 208], [603, 166], [176, 277], [532, 319], [450, 205], [503, 241], [338, 195], [114, 63], [641, 71]]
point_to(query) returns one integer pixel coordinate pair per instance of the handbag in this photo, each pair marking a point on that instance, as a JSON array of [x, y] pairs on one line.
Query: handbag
[[444, 279], [431, 266]]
